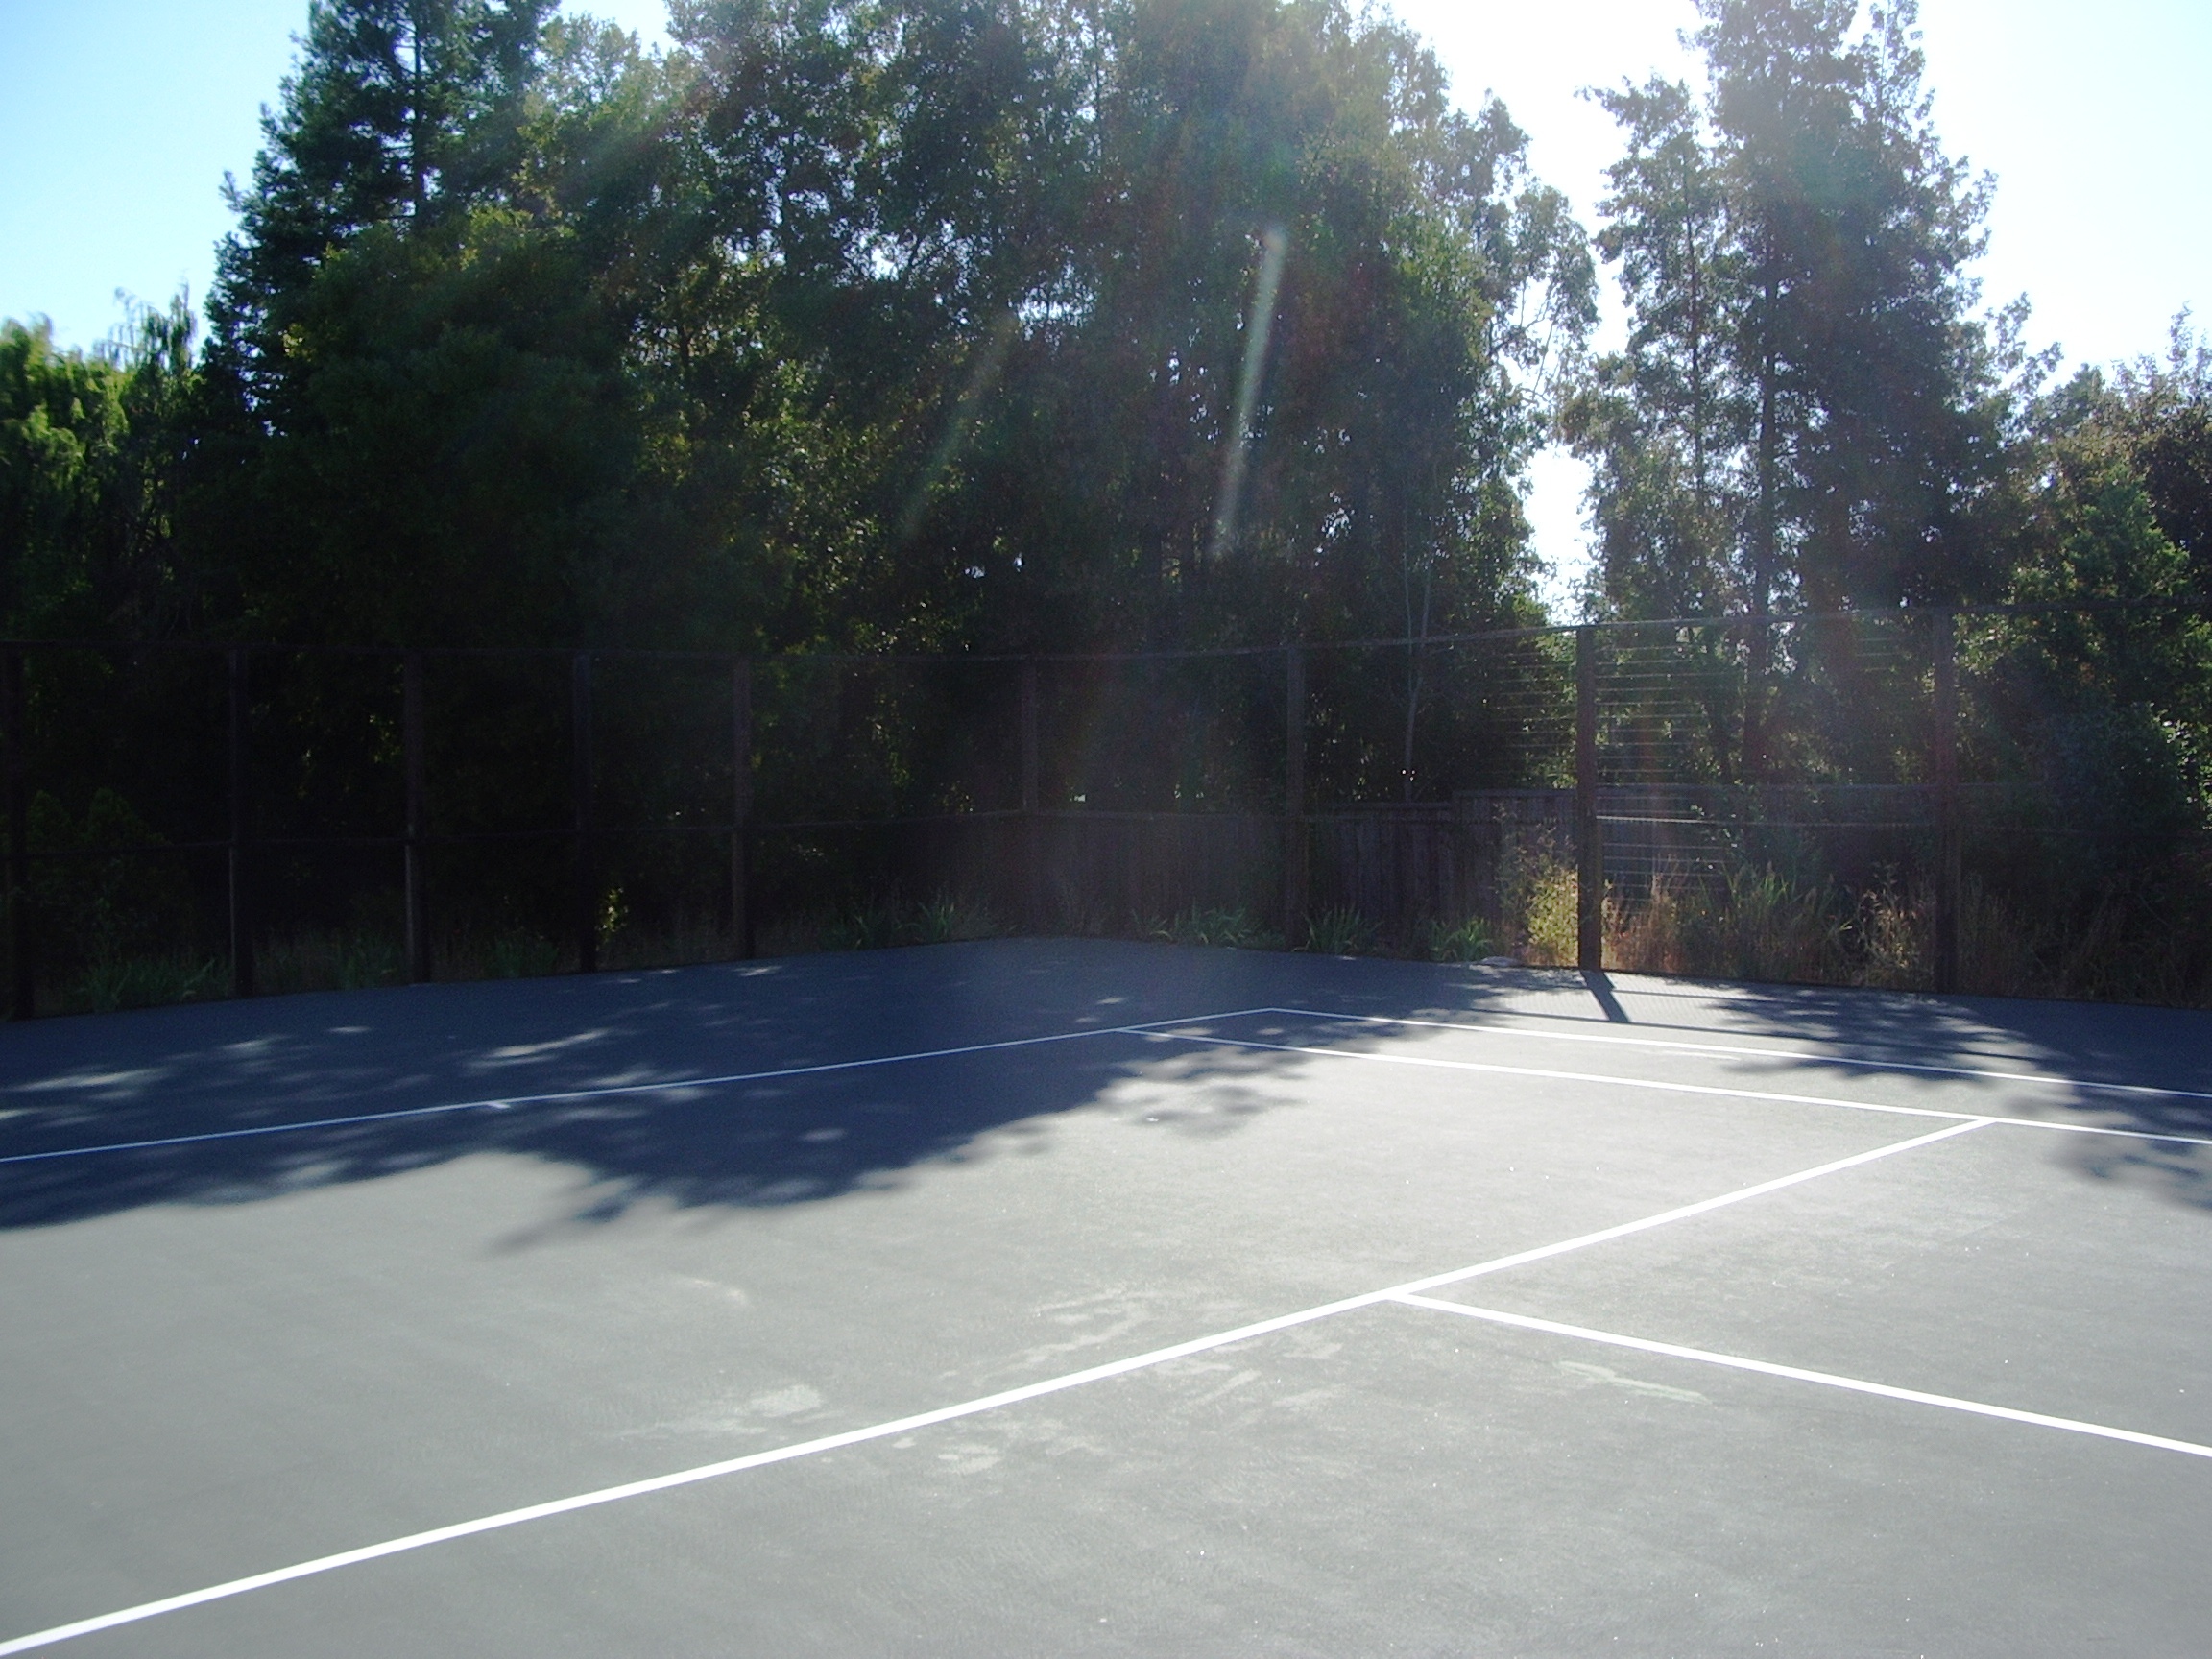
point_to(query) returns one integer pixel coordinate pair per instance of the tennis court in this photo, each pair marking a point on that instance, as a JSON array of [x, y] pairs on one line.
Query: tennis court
[[1034, 1297]]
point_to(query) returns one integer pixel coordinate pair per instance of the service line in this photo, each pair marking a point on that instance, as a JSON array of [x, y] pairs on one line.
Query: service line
[[949, 1413], [1797, 1374]]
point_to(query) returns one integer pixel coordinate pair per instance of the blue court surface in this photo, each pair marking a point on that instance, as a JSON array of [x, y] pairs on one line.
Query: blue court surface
[[1063, 1298]]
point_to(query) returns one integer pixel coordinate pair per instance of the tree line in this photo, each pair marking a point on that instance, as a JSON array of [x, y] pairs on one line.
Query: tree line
[[980, 326], [961, 325]]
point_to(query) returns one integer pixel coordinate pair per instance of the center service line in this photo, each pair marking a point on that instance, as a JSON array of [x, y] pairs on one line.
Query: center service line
[[946, 1413]]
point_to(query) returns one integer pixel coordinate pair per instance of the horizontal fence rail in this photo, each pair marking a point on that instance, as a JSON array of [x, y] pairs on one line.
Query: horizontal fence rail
[[184, 819]]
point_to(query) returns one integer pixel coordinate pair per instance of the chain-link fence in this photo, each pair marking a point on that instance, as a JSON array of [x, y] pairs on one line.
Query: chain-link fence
[[2008, 799]]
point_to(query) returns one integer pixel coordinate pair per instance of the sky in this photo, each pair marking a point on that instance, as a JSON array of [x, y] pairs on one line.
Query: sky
[[122, 117]]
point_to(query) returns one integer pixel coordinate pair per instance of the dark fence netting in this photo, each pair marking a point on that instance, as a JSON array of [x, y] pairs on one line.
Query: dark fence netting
[[2009, 801]]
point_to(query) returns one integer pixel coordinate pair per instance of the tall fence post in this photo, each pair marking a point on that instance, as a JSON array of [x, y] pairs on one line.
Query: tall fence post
[[583, 866], [741, 928], [418, 875], [22, 966], [1589, 833], [240, 868], [1946, 773], [1032, 795], [1297, 851]]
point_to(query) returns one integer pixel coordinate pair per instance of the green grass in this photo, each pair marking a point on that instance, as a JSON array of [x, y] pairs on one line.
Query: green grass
[[1339, 931], [149, 981], [1198, 925]]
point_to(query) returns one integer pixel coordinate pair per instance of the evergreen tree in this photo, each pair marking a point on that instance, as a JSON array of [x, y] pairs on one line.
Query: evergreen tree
[[428, 412], [1667, 419], [1807, 409]]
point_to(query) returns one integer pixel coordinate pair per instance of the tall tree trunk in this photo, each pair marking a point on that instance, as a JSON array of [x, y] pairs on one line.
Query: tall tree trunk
[[1698, 480], [417, 187], [1765, 530]]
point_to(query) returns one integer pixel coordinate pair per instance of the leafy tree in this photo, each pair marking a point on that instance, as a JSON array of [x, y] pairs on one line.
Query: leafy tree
[[428, 413], [2160, 413], [2109, 706], [1044, 234], [93, 459]]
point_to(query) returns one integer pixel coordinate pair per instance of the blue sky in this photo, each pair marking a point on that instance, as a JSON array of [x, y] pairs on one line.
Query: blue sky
[[122, 116]]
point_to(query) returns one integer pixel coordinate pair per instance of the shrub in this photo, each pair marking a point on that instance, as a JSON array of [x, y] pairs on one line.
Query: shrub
[[1339, 931]]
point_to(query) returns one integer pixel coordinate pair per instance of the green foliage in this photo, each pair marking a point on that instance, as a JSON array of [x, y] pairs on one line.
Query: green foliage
[[510, 954], [1337, 932], [900, 323], [92, 470], [2109, 710], [1467, 941], [1198, 925], [110, 984], [885, 923], [1003, 326], [350, 960], [102, 909], [1808, 408]]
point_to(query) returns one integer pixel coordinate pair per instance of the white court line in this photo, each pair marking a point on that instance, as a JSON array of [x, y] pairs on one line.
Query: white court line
[[943, 1413], [1826, 1379], [612, 1088], [1798, 1055], [1659, 1087]]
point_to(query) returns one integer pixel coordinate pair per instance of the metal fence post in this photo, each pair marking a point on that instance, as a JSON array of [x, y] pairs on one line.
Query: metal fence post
[[240, 870], [418, 875], [1946, 773], [1297, 874], [741, 928], [1589, 833], [587, 886], [22, 968], [1032, 795]]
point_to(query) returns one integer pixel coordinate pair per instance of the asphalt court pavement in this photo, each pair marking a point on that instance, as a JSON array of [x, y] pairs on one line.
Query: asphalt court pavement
[[234, 1354]]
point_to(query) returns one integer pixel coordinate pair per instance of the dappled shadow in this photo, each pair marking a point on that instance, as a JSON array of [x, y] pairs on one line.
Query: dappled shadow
[[257, 1100], [769, 1142], [599, 1074], [2099, 1045]]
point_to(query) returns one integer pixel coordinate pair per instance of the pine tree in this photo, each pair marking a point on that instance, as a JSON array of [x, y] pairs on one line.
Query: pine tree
[[1806, 370]]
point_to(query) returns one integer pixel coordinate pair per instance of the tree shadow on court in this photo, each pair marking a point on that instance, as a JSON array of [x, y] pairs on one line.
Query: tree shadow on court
[[750, 1145], [815, 1136], [2149, 1049], [479, 1088]]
